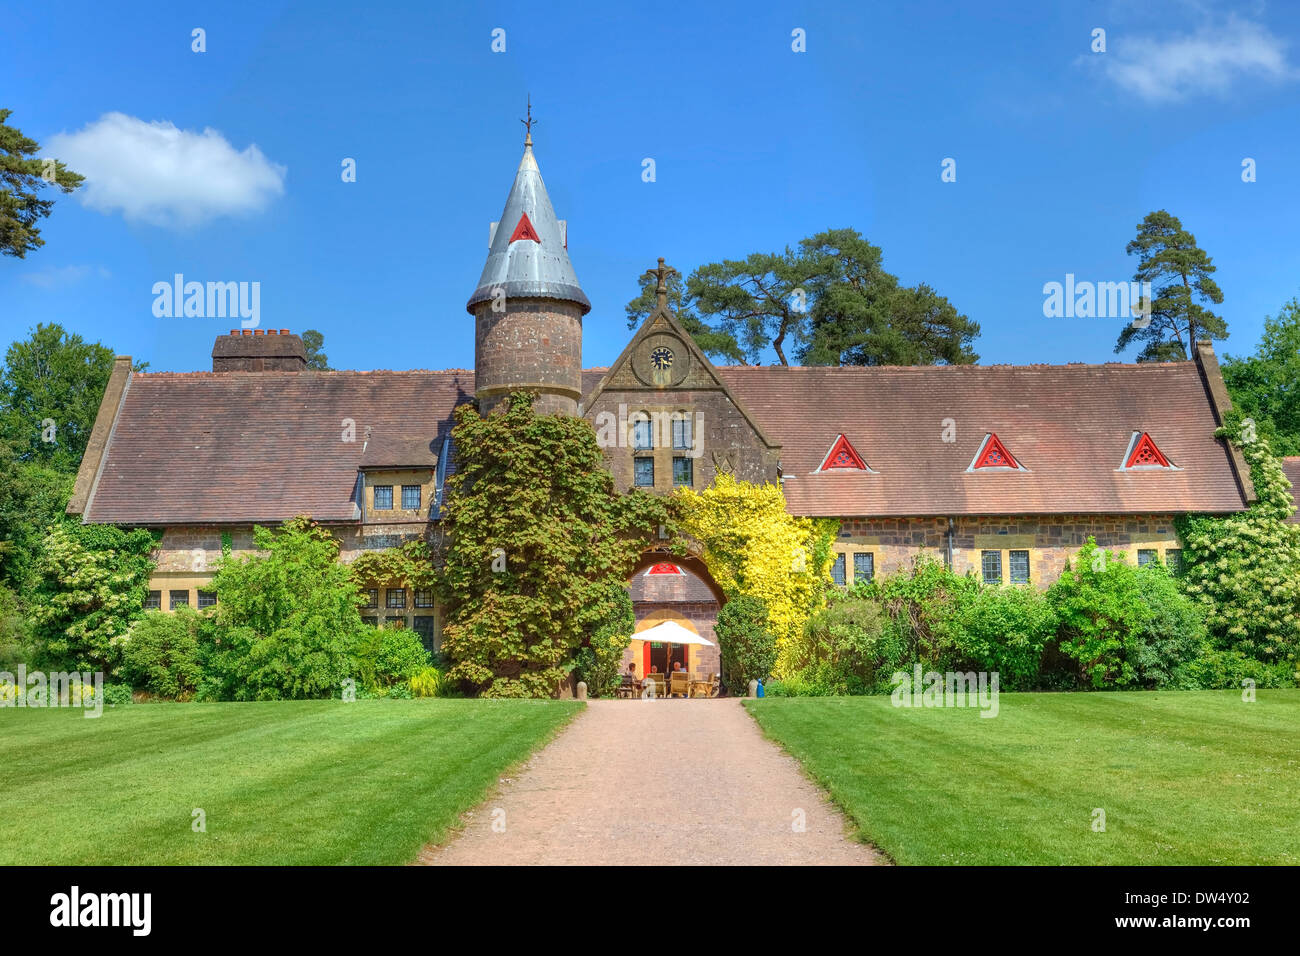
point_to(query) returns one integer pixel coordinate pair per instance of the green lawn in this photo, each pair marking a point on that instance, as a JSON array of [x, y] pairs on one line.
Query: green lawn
[[310, 782], [1188, 778]]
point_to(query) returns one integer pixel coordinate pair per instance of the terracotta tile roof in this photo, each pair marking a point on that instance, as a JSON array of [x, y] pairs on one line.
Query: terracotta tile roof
[[1068, 425], [1291, 468], [217, 447], [203, 447]]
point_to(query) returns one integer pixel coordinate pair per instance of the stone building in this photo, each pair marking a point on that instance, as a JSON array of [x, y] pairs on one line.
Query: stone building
[[1000, 470]]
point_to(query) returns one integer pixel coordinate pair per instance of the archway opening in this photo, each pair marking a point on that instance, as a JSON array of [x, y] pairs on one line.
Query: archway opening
[[668, 588]]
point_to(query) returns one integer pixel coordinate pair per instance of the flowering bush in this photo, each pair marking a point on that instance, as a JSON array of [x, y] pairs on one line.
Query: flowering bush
[[753, 546], [1244, 568]]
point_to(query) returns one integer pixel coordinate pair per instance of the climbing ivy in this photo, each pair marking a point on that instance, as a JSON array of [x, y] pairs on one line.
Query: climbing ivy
[[410, 566], [537, 535], [1244, 568], [752, 546]]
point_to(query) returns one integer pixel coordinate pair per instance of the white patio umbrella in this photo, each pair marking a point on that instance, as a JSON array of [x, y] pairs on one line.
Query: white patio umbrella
[[670, 632]]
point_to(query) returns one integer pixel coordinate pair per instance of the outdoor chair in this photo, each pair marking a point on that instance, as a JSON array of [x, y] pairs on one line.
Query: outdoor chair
[[707, 688], [680, 684]]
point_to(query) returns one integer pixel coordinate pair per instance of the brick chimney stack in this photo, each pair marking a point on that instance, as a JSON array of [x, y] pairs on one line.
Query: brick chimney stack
[[258, 350]]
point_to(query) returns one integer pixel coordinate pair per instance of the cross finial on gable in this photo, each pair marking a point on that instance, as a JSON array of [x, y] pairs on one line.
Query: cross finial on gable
[[528, 123], [662, 273]]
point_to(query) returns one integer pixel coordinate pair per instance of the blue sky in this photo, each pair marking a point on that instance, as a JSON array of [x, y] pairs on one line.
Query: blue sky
[[1060, 152]]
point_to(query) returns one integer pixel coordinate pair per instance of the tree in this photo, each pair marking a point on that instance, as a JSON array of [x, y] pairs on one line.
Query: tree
[[50, 389], [32, 497], [860, 315], [1266, 386], [287, 618], [760, 301], [714, 343], [1179, 272], [91, 586], [746, 642], [537, 535], [829, 302], [22, 176], [313, 342]]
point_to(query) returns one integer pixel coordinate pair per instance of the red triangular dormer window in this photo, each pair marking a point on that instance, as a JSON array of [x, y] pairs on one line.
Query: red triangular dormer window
[[525, 230], [665, 567], [994, 454], [843, 455], [1145, 454]]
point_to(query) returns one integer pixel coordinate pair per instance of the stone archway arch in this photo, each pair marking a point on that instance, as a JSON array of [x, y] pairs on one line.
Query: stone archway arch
[[691, 599]]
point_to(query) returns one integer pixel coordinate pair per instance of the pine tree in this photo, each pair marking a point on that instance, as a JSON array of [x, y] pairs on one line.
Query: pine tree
[[22, 176], [1179, 272]]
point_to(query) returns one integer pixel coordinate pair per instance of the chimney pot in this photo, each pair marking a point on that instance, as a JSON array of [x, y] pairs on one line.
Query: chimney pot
[[258, 332], [245, 331], [284, 331], [234, 331]]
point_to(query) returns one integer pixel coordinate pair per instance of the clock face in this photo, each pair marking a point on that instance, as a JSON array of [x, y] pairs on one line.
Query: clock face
[[661, 358]]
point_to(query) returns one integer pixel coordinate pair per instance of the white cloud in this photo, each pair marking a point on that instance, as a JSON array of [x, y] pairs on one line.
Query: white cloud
[[1211, 60], [156, 173], [55, 276]]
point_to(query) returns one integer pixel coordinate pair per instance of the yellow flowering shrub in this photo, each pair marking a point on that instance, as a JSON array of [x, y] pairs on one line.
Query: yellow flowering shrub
[[753, 546]]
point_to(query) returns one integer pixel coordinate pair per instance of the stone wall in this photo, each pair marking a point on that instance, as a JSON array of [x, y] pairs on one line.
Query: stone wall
[[723, 439], [534, 344], [1050, 540]]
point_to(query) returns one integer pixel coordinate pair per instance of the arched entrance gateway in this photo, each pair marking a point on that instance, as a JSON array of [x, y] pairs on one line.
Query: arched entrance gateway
[[679, 589]]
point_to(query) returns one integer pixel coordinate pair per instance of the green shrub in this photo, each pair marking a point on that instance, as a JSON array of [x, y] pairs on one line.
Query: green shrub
[[386, 656], [287, 624], [1004, 629], [92, 582], [746, 642], [160, 654], [1174, 631], [923, 604], [598, 662], [849, 647], [428, 682], [15, 634], [1125, 626], [1101, 611], [1225, 670]]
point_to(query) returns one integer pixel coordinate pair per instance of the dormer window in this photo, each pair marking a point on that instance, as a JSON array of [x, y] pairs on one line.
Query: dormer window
[[994, 456], [1142, 454], [843, 457]]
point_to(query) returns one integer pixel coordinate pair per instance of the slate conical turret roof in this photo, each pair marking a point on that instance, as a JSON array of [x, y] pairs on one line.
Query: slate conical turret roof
[[527, 256]]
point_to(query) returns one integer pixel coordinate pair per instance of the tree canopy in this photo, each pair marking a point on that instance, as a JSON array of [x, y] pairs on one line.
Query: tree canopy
[[22, 177], [1179, 272], [1266, 386], [313, 342], [53, 378], [827, 302]]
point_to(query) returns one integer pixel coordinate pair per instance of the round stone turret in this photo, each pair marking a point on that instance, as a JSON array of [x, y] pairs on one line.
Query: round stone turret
[[528, 305]]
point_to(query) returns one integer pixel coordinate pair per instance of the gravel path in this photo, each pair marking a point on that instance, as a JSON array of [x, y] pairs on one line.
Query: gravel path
[[662, 782]]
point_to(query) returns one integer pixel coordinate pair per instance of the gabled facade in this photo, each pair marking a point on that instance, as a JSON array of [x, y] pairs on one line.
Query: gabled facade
[[1000, 470]]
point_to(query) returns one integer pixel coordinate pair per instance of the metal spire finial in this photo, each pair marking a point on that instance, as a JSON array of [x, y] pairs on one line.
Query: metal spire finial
[[662, 274], [528, 123]]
